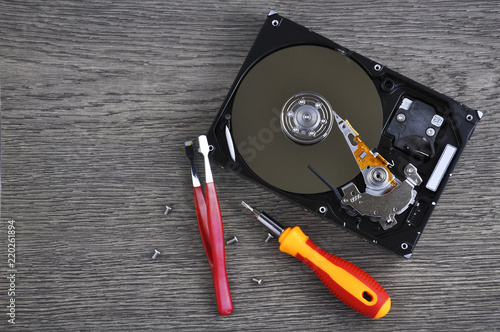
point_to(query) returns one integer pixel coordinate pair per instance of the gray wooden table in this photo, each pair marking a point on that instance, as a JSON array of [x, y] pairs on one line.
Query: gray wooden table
[[97, 99]]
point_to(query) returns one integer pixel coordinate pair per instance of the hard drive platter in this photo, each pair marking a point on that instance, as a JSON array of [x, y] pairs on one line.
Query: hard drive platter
[[300, 71], [340, 134]]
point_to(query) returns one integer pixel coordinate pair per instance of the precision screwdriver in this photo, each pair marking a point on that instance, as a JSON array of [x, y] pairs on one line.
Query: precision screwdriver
[[349, 283]]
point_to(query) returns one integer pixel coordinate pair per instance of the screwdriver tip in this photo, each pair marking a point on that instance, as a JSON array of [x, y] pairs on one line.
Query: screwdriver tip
[[255, 212], [246, 205]]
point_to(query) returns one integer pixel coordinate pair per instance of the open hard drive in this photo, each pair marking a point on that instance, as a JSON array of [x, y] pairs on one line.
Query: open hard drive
[[340, 134]]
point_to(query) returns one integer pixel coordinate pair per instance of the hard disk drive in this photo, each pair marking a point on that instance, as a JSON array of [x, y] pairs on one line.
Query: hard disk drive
[[339, 134]]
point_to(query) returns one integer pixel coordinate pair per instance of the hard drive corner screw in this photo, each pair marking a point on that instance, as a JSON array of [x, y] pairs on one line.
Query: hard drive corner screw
[[269, 237], [377, 67], [430, 132], [275, 23], [233, 240], [401, 117], [258, 281], [157, 252], [168, 208], [469, 117]]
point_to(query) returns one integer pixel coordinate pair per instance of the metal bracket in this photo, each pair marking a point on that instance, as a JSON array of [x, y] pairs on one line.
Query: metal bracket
[[385, 207]]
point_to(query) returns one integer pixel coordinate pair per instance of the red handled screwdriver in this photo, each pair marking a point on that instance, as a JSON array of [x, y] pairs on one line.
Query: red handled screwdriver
[[349, 283]]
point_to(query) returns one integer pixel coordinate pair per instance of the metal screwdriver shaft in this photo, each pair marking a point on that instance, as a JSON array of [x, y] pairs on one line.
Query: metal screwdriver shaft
[[265, 220]]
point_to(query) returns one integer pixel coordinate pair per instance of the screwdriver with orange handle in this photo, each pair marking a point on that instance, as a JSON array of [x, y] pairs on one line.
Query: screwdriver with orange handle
[[349, 283]]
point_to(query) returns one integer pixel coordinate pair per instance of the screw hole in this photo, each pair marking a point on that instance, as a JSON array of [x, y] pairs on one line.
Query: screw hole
[[275, 23], [367, 296], [210, 148], [388, 84]]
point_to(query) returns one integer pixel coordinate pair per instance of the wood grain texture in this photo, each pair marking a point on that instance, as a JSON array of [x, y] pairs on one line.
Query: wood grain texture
[[97, 99]]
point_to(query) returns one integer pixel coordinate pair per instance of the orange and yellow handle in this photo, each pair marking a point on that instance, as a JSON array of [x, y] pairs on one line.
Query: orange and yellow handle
[[349, 283]]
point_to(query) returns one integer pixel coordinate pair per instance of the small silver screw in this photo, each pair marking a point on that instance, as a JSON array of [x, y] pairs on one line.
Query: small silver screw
[[401, 117], [233, 240], [269, 237], [167, 209], [430, 132], [469, 117], [275, 23], [258, 281], [157, 252], [377, 67], [409, 170]]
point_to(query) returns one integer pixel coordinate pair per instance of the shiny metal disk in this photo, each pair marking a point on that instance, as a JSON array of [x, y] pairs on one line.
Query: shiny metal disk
[[307, 118], [262, 104]]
